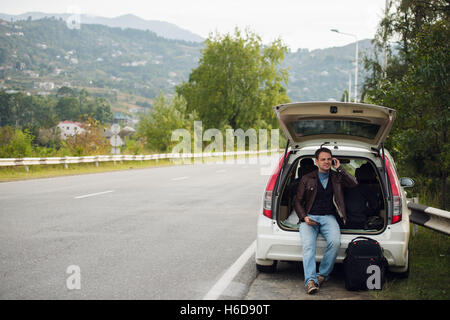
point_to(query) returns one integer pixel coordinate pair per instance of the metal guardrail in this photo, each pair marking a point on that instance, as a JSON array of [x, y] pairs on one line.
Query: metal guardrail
[[103, 158], [429, 217]]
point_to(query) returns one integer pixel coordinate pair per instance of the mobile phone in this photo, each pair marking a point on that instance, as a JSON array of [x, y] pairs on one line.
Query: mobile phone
[[333, 162]]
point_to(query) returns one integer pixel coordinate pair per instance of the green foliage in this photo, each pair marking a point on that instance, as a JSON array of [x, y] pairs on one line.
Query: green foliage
[[18, 146], [28, 124], [82, 107], [68, 108], [6, 133], [237, 82], [416, 85], [50, 138], [65, 91], [133, 145], [34, 112], [101, 110], [165, 117], [20, 110]]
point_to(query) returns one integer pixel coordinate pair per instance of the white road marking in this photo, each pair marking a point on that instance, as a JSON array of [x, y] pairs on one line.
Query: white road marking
[[216, 291], [180, 178], [93, 194]]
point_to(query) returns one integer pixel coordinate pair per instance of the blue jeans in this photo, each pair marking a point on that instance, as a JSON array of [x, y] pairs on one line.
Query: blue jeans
[[330, 230]]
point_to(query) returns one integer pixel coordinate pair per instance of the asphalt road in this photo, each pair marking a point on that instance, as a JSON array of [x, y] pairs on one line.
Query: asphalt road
[[160, 233]]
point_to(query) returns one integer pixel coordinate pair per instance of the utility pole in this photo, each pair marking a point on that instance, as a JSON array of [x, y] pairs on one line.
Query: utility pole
[[356, 60], [385, 44]]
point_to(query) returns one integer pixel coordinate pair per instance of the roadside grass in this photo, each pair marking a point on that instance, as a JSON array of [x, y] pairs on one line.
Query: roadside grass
[[49, 171], [429, 274]]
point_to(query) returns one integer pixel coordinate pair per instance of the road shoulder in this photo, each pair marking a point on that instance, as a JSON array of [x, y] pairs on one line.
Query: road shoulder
[[287, 284]]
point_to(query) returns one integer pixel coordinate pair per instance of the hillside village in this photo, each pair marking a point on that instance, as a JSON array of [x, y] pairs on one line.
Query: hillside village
[[131, 67]]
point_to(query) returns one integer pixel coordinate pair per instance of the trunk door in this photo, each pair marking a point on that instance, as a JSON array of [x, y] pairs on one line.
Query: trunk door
[[350, 124]]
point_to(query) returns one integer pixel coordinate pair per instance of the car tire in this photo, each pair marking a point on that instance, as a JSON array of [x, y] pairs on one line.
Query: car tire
[[267, 268]]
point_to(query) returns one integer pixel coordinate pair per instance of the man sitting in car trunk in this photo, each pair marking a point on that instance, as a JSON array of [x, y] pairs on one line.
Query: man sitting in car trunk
[[315, 204]]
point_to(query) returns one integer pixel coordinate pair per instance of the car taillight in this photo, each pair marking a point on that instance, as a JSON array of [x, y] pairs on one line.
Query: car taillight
[[397, 214], [267, 202], [396, 193], [267, 205]]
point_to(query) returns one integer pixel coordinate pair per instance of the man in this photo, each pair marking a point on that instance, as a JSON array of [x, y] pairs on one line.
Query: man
[[319, 194]]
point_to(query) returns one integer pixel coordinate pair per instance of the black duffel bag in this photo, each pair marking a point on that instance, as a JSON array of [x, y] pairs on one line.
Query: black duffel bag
[[364, 265]]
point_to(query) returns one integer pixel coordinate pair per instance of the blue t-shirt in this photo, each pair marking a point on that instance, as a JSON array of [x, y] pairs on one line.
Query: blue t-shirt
[[323, 177]]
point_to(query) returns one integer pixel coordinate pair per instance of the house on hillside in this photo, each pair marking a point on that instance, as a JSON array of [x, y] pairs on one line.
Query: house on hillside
[[122, 118], [69, 128]]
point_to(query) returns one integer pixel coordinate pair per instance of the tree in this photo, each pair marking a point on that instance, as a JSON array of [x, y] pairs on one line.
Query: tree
[[50, 138], [415, 83], [102, 110], [22, 111], [157, 126], [423, 99], [68, 108], [19, 145], [6, 133], [237, 82], [404, 20], [65, 91]]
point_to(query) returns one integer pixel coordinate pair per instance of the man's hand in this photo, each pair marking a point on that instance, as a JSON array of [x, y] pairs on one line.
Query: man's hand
[[335, 163], [310, 222]]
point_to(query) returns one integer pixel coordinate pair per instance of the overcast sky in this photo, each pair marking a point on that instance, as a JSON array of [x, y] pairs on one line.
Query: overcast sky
[[300, 23]]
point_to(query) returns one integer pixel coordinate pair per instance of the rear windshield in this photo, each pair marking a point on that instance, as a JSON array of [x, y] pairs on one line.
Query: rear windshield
[[340, 127]]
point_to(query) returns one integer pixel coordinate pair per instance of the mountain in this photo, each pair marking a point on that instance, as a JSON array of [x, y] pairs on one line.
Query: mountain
[[323, 74], [43, 55], [161, 28], [130, 67]]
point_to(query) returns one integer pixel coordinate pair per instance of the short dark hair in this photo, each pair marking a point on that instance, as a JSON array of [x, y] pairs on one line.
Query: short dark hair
[[323, 149]]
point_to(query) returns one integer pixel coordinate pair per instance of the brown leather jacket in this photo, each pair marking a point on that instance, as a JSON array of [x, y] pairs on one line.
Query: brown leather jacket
[[307, 190]]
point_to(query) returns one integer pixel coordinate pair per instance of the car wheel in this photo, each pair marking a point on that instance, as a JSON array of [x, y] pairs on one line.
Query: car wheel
[[267, 268]]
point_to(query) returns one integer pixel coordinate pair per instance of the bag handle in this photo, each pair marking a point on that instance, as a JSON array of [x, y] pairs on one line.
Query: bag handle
[[365, 238]]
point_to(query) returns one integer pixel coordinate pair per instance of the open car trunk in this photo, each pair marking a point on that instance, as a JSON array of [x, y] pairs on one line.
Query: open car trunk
[[338, 124], [352, 124], [365, 205]]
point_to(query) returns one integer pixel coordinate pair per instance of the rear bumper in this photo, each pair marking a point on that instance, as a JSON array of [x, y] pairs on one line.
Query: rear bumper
[[273, 243]]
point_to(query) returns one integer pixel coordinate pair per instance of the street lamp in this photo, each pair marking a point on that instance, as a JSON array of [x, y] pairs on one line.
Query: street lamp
[[356, 62]]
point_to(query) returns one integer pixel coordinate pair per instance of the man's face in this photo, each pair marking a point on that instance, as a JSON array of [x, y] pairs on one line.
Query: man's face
[[324, 162]]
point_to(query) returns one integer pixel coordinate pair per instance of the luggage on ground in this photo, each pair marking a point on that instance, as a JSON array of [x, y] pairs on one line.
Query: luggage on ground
[[364, 265]]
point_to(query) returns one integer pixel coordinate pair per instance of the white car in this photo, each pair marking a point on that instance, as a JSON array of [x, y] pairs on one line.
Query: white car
[[355, 134]]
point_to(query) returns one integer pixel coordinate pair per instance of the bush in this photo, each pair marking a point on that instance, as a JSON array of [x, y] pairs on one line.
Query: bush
[[19, 145], [88, 143]]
